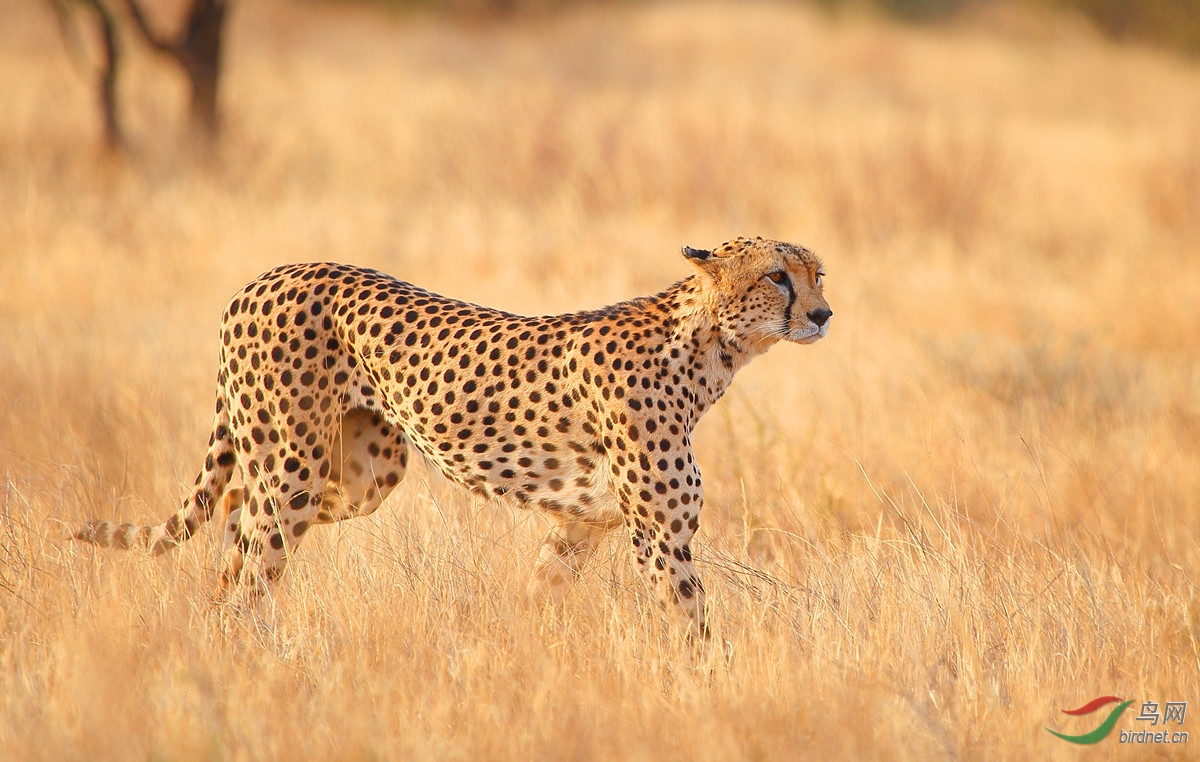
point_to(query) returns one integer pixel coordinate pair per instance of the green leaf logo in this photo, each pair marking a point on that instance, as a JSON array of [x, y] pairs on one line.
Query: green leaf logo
[[1100, 733]]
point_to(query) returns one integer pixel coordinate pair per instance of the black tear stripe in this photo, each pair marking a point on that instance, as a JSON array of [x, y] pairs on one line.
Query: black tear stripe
[[787, 313]]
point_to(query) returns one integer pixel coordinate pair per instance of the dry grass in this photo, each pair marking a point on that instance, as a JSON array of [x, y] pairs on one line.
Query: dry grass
[[976, 503]]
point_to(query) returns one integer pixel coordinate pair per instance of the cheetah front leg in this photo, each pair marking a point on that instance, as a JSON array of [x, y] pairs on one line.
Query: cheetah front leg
[[569, 543], [660, 496]]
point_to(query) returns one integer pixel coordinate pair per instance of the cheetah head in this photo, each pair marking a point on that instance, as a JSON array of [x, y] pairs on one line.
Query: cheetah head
[[763, 291]]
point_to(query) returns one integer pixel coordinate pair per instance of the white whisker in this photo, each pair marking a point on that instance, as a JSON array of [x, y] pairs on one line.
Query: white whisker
[[776, 328]]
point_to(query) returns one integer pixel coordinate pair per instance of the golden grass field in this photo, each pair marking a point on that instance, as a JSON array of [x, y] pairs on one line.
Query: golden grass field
[[975, 504]]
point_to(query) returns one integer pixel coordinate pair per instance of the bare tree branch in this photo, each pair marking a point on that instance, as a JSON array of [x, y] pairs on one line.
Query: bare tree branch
[[155, 40], [197, 49]]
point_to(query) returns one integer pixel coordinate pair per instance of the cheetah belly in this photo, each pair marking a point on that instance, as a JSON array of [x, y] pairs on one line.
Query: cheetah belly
[[579, 488], [591, 497], [554, 474], [585, 493]]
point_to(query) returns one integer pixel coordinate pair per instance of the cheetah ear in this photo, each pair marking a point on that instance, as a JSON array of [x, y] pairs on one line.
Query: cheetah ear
[[701, 259]]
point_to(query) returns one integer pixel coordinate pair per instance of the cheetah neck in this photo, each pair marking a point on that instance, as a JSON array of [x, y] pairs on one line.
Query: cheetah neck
[[702, 352]]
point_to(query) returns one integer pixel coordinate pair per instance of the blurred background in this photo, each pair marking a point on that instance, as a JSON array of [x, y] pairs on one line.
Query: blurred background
[[977, 502]]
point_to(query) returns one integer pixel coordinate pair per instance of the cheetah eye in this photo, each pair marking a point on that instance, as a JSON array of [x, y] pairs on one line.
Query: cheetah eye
[[778, 276]]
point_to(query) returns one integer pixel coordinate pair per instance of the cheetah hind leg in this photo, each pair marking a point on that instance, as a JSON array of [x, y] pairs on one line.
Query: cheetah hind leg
[[232, 551], [369, 459]]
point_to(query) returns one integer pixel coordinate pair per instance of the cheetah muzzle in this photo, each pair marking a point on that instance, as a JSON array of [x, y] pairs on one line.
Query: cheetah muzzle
[[330, 373]]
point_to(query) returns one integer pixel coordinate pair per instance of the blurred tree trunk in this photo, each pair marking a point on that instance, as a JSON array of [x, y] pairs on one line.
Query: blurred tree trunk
[[106, 82], [197, 49]]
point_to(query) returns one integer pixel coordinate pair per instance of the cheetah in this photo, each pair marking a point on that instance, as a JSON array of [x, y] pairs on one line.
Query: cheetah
[[330, 374]]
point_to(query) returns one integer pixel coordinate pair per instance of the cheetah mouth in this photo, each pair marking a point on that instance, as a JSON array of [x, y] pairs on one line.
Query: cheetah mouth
[[808, 334]]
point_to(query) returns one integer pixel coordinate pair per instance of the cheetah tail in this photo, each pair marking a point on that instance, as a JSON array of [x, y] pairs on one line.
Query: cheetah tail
[[196, 510]]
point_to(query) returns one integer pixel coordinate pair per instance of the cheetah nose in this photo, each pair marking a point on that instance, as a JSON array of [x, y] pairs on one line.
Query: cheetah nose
[[819, 316]]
